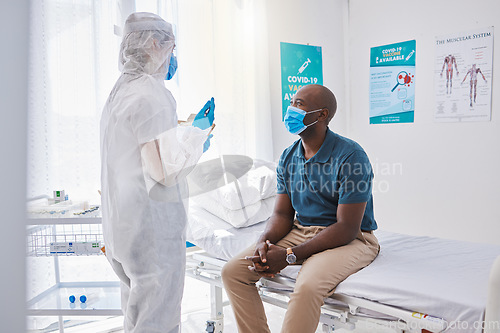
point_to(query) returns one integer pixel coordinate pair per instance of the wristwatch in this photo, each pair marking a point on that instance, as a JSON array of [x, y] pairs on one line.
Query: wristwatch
[[290, 256]]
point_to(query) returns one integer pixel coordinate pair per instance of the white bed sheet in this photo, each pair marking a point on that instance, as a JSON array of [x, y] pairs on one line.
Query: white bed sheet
[[442, 278], [216, 236], [439, 277]]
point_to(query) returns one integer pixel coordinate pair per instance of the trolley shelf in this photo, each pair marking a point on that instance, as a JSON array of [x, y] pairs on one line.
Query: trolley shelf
[[66, 234], [74, 236], [103, 300], [64, 220]]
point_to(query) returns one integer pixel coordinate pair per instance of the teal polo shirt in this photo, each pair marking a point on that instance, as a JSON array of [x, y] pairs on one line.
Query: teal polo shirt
[[339, 173]]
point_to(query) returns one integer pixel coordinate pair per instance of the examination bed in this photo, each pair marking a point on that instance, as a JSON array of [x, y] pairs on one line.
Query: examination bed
[[416, 284]]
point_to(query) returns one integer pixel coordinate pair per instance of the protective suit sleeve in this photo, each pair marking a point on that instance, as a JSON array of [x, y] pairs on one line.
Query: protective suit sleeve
[[172, 155], [152, 163], [153, 115]]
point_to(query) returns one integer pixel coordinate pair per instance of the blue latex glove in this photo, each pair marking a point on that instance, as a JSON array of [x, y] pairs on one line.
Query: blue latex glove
[[206, 145], [205, 118]]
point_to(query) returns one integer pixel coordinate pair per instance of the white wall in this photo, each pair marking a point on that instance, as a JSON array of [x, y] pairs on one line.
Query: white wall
[[450, 181], [314, 22], [13, 94]]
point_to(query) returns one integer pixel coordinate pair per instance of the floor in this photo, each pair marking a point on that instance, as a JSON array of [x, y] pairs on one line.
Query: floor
[[195, 313]]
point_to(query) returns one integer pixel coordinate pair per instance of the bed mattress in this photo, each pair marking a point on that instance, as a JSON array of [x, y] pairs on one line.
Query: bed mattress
[[443, 278]]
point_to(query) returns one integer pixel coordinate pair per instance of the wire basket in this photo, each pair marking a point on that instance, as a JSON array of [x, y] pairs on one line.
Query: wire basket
[[64, 239]]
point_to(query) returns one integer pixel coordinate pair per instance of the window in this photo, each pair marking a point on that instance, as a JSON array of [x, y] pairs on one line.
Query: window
[[73, 66]]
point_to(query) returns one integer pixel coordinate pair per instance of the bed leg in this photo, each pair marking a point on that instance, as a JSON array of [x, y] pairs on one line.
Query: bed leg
[[216, 310], [327, 328], [492, 312]]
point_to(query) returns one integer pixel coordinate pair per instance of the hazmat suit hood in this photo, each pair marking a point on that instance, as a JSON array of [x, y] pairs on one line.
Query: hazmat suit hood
[[147, 45]]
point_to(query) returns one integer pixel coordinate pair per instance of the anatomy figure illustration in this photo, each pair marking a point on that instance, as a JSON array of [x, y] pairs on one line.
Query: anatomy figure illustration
[[473, 71], [449, 61]]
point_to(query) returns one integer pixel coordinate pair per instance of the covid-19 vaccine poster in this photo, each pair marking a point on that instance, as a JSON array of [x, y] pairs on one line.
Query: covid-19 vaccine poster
[[300, 65], [392, 83]]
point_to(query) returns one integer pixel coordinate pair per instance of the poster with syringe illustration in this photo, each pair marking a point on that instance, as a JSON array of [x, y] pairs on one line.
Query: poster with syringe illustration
[[392, 83], [462, 76], [300, 65]]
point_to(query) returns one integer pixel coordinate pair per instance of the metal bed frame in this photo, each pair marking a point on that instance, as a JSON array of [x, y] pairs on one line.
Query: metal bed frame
[[344, 311]]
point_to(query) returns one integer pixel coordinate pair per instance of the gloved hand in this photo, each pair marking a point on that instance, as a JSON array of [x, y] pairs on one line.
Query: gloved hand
[[205, 118], [206, 145]]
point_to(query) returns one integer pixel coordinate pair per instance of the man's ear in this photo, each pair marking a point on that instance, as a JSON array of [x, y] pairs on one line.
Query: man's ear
[[324, 114]]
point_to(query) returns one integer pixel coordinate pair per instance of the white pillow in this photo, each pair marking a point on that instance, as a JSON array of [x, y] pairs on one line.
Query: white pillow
[[239, 218], [235, 195], [264, 179], [257, 184]]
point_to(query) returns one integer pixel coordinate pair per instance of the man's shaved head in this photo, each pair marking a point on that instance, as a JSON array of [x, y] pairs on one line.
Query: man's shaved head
[[322, 98]]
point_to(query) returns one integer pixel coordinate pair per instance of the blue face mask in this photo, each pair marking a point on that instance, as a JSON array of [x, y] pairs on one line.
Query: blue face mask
[[294, 120], [172, 67]]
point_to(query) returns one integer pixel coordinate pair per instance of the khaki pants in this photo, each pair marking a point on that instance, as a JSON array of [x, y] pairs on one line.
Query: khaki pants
[[319, 276]]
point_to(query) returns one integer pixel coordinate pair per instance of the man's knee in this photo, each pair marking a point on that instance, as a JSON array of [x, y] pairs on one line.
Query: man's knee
[[232, 271], [228, 271], [316, 290], [236, 271], [309, 290]]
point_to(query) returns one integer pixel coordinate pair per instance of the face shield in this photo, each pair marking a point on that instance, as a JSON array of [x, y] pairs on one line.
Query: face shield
[[147, 44]]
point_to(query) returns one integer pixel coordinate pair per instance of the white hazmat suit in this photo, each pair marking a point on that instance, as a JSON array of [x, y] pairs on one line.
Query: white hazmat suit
[[145, 157]]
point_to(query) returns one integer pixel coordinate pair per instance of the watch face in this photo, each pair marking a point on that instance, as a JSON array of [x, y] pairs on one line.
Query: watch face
[[291, 258]]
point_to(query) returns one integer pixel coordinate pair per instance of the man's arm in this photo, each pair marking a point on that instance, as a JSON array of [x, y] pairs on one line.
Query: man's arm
[[349, 217], [278, 226]]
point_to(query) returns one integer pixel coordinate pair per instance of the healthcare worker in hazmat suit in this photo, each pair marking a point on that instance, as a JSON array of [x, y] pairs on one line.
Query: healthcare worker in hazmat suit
[[145, 158]]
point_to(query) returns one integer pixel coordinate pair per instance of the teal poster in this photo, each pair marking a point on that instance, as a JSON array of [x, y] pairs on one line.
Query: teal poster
[[300, 65], [392, 83]]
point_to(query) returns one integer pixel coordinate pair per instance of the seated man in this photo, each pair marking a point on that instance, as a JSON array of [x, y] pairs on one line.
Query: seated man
[[323, 219]]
